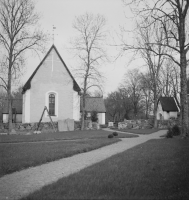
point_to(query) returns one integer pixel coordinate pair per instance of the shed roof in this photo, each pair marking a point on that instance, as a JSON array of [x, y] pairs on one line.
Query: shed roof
[[28, 83], [168, 104], [16, 105], [95, 104]]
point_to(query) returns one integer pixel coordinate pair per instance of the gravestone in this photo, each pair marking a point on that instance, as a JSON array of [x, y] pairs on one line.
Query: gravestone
[[70, 124], [110, 124], [62, 126]]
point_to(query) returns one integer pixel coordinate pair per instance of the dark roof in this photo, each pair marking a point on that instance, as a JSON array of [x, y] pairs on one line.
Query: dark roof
[[168, 104], [16, 104], [28, 83], [94, 104]]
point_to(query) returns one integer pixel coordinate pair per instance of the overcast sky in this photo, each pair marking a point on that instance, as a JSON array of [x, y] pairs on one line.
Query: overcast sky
[[61, 14]]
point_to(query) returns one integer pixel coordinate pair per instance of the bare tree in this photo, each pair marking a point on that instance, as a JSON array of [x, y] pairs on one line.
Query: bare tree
[[151, 54], [170, 81], [115, 105], [174, 20], [111, 106], [89, 48], [19, 33], [145, 84], [125, 101], [132, 85]]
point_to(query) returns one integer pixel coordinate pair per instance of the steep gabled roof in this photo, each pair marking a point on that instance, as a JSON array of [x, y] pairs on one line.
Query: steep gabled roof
[[168, 104], [28, 83], [94, 104]]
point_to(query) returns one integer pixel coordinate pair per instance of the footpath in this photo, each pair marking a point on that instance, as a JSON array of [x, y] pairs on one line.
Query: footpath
[[20, 184]]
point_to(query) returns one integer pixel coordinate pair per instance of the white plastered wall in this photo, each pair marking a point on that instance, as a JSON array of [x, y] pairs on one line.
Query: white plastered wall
[[26, 107], [76, 106], [101, 118], [165, 115], [5, 118]]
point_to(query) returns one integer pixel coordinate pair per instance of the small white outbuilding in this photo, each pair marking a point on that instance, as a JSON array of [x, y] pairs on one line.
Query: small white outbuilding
[[167, 108]]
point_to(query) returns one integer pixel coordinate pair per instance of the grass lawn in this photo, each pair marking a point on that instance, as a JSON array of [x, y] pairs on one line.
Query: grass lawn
[[138, 131], [35, 150], [71, 135], [15, 157], [157, 169]]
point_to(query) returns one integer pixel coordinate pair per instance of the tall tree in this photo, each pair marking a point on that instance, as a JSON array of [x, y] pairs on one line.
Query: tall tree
[[151, 54], [174, 19], [89, 48], [18, 33], [170, 81], [147, 100], [125, 101], [115, 106], [132, 84]]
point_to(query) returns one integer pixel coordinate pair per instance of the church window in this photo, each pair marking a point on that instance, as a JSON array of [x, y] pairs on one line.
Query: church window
[[52, 104]]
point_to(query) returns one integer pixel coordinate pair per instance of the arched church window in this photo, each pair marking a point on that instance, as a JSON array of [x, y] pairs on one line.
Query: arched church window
[[52, 104]]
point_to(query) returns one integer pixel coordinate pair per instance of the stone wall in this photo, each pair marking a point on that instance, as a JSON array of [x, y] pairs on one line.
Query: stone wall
[[134, 124], [146, 124], [44, 126], [47, 126]]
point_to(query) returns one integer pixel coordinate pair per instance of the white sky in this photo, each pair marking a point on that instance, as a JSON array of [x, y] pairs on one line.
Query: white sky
[[61, 14]]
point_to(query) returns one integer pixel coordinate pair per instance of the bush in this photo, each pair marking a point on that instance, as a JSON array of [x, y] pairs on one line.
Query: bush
[[169, 133], [175, 130], [94, 116], [110, 136], [115, 134]]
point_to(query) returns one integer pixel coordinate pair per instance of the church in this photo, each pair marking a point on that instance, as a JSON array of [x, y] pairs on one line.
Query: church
[[51, 85]]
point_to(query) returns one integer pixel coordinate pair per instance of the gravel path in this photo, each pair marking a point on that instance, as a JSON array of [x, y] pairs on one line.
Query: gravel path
[[20, 184]]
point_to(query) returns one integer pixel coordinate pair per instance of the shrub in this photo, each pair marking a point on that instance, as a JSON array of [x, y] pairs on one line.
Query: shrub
[[110, 136], [94, 116], [169, 133], [115, 134], [175, 130]]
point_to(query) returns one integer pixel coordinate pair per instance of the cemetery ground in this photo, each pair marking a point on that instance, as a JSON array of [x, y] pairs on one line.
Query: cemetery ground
[[157, 169], [23, 151]]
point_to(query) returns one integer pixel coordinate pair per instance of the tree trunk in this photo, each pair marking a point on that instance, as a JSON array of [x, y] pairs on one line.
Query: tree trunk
[[155, 109], [184, 100], [9, 102], [183, 64], [83, 105], [147, 108], [83, 113]]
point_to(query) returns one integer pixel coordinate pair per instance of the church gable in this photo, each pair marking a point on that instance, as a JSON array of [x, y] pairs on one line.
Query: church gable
[[51, 85], [51, 69]]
